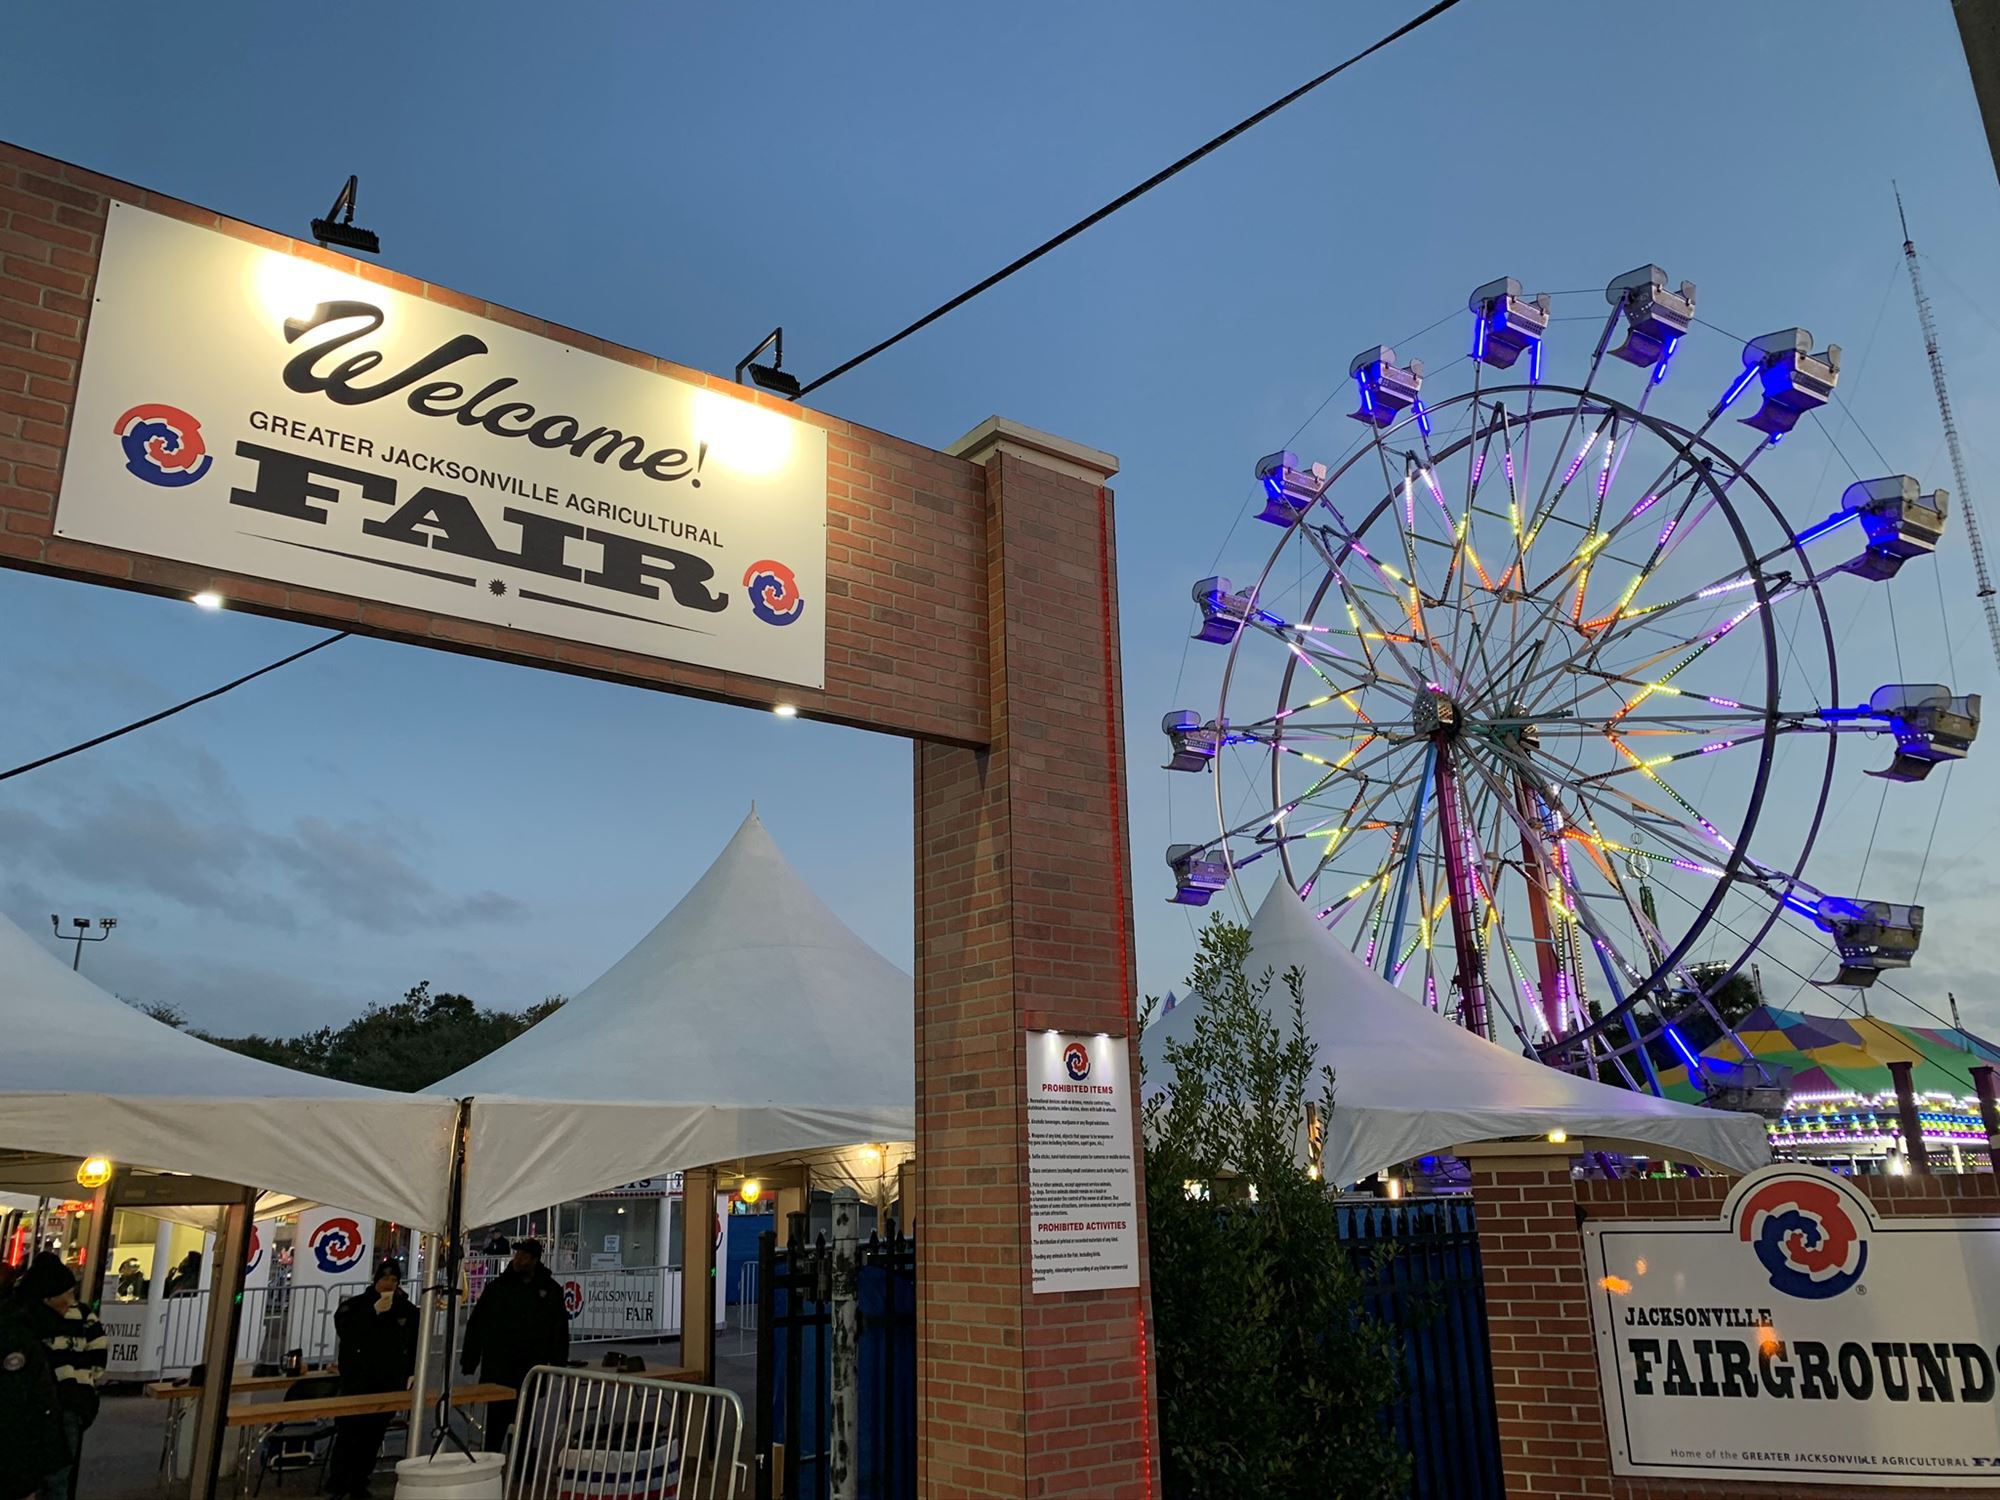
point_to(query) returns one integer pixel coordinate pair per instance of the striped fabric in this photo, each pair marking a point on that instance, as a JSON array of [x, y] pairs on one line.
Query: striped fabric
[[78, 1351]]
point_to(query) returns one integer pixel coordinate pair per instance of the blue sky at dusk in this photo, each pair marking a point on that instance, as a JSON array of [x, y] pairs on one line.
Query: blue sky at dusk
[[681, 179]]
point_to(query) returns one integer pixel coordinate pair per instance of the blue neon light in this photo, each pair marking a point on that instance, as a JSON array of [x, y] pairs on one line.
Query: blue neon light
[[1479, 334], [1666, 356], [1535, 363], [1749, 374], [1367, 396], [1423, 417], [1775, 439], [1680, 1045], [1832, 523], [1803, 907]]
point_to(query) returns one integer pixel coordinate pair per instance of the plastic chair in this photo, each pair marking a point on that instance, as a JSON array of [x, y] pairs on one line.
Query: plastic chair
[[294, 1446]]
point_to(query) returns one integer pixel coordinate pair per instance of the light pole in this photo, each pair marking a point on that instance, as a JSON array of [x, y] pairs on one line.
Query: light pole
[[80, 934]]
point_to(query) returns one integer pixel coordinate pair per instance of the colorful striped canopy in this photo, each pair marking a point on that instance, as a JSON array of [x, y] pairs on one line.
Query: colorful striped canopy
[[1846, 1054]]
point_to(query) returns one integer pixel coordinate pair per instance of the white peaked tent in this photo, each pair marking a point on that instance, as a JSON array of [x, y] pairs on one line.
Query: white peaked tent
[[750, 1023], [1408, 1082], [82, 1073]]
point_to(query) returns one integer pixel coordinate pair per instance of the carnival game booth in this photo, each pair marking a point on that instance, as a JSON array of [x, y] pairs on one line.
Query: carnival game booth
[[1409, 1083], [749, 1036], [1842, 1103]]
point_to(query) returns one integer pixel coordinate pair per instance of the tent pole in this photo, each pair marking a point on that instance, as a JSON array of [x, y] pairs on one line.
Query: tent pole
[[220, 1324], [449, 1264], [426, 1326]]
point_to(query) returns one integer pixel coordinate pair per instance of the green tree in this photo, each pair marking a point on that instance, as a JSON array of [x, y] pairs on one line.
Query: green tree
[[405, 1046], [1272, 1378]]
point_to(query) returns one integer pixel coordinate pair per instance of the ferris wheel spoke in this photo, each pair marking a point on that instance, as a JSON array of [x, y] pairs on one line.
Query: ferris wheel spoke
[[1579, 901]]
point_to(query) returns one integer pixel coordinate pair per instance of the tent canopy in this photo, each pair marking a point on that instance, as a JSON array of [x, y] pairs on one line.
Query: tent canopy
[[751, 1023], [82, 1073], [1847, 1055], [1409, 1083]]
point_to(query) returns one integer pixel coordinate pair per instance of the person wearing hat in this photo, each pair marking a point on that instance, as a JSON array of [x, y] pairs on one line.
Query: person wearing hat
[[377, 1330], [33, 1440], [77, 1350], [519, 1322]]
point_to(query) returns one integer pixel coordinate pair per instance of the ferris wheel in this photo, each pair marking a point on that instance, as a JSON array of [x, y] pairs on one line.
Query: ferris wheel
[[1537, 677]]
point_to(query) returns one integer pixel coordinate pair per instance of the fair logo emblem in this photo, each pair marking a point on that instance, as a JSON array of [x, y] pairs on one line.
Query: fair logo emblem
[[163, 445], [1807, 1235], [572, 1298], [256, 1250], [1076, 1062], [774, 593], [337, 1245]]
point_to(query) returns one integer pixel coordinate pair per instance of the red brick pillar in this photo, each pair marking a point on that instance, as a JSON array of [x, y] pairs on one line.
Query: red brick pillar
[[1024, 922], [1545, 1385]]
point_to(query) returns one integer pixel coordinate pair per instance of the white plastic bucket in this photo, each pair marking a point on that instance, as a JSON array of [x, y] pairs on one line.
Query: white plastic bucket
[[450, 1476]]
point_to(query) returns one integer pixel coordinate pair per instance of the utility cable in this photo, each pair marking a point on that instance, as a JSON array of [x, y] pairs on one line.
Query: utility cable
[[168, 713], [1125, 198]]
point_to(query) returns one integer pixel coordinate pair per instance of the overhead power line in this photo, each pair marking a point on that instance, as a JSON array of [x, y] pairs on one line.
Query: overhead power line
[[168, 713], [1123, 199]]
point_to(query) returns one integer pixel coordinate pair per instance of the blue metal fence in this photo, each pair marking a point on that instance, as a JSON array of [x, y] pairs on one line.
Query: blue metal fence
[[1429, 1289], [795, 1368]]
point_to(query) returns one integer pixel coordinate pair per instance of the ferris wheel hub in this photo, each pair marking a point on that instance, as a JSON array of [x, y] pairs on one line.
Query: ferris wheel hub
[[1437, 715]]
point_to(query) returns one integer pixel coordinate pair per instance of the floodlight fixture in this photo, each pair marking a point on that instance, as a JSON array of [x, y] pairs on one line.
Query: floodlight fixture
[[338, 227], [772, 377]]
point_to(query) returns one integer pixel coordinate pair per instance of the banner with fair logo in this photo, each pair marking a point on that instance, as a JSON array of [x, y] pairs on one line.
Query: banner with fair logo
[[333, 1254], [247, 410], [1800, 1338]]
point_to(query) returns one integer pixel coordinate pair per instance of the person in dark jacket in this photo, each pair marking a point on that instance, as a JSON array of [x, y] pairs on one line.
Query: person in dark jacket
[[377, 1330], [184, 1280], [33, 1440], [519, 1322], [77, 1349]]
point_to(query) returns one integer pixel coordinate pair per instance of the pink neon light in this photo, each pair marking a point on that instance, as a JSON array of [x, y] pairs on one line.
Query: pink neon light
[[1510, 465], [1478, 468], [1646, 504], [1671, 524]]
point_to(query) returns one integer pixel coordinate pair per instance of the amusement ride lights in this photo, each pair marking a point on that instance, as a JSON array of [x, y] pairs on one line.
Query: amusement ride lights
[[1483, 740]]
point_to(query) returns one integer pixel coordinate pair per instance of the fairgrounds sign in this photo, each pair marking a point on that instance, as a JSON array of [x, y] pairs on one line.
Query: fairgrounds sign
[[249, 411], [1800, 1338]]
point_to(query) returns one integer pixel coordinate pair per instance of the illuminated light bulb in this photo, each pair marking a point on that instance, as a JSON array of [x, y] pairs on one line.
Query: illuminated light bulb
[[1558, 1136], [95, 1172], [750, 1190], [785, 710], [206, 599]]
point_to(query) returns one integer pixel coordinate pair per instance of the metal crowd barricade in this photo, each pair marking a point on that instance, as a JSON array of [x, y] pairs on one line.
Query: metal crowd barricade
[[586, 1435]]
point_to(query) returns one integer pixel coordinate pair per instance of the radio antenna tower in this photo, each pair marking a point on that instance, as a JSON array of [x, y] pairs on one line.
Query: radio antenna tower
[[1929, 325]]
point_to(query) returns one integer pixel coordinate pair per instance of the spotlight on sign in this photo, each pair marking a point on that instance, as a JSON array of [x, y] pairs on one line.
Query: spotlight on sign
[[772, 377], [339, 228], [207, 600], [95, 1172]]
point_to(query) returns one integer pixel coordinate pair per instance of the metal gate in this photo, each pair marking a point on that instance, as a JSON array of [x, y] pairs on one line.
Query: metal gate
[[794, 1367], [1429, 1289]]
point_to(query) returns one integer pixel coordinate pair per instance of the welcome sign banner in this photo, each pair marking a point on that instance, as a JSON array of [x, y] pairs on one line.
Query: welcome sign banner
[[249, 411]]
